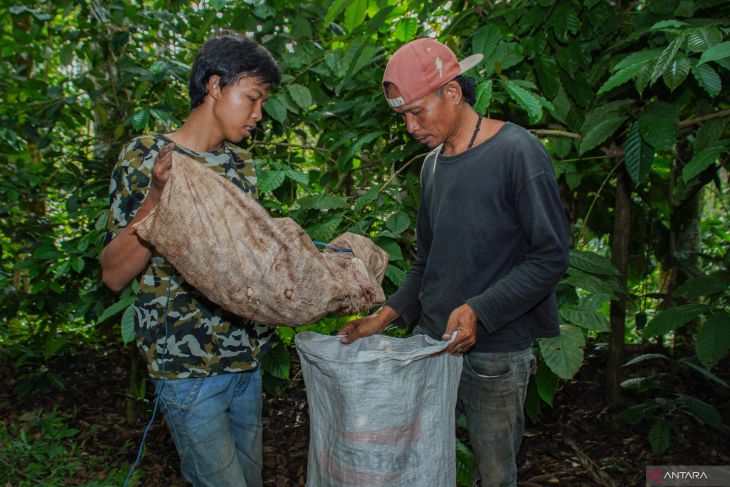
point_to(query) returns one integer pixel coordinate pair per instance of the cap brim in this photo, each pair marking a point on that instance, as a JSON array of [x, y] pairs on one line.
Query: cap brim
[[469, 62]]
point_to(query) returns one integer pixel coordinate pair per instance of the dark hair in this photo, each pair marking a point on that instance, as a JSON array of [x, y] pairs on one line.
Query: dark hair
[[468, 89], [232, 57]]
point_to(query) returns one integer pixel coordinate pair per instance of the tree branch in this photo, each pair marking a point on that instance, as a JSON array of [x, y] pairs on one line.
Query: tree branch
[[555, 133], [401, 169], [694, 121]]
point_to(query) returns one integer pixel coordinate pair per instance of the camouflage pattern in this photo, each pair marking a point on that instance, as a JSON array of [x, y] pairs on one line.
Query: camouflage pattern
[[202, 339]]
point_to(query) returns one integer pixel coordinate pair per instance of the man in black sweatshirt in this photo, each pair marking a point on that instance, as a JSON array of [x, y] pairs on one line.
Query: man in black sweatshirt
[[492, 246]]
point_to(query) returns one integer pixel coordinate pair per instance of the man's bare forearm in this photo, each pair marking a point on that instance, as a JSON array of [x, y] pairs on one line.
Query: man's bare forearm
[[127, 255]]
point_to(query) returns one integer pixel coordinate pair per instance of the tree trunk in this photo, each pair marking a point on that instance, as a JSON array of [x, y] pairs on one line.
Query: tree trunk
[[620, 258]]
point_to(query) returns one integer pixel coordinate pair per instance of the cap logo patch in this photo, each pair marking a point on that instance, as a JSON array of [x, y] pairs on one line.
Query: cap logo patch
[[439, 67], [395, 102]]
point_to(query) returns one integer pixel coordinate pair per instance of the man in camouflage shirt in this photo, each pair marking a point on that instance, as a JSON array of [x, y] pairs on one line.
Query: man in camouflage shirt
[[203, 359]]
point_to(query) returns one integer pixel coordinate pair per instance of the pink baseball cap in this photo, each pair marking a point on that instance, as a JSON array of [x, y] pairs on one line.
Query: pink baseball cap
[[421, 66]]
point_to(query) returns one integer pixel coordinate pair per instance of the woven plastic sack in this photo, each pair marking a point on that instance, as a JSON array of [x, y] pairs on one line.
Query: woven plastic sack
[[225, 244], [381, 411]]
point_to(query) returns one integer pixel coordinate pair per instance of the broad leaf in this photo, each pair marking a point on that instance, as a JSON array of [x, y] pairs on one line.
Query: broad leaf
[[645, 356], [658, 125], [547, 75], [406, 30], [526, 99], [390, 246], [705, 412], [700, 162], [270, 180], [276, 108], [676, 72], [395, 274], [672, 318], [707, 78], [301, 95], [140, 119], [276, 361], [700, 39], [128, 332], [486, 40], [115, 308], [592, 262], [593, 284], [564, 354], [713, 341], [398, 222], [322, 202], [666, 58], [641, 58], [600, 132], [355, 14], [701, 286], [716, 53], [588, 319], [547, 384], [335, 8], [635, 414], [659, 435], [484, 97], [620, 77], [638, 156], [365, 199], [325, 231]]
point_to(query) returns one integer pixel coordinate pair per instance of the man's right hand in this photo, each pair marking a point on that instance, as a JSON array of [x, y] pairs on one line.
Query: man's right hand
[[369, 325], [163, 166]]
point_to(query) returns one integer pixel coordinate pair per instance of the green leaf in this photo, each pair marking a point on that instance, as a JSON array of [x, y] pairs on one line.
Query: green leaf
[[676, 72], [564, 354], [588, 319], [700, 39], [713, 340], [486, 40], [526, 99], [365, 199], [672, 318], [140, 119], [688, 361], [322, 202], [276, 361], [406, 30], [707, 78], [77, 263], [301, 95], [395, 274], [641, 58], [508, 54], [325, 231], [638, 156], [709, 133], [398, 222], [298, 176], [666, 58], [270, 180], [276, 108], [390, 246], [702, 410], [700, 162], [128, 332], [592, 262], [355, 14], [658, 125], [547, 384], [464, 463], [701, 286], [635, 414], [591, 283], [52, 345], [548, 76], [335, 8], [716, 53], [600, 132], [645, 356], [620, 77], [484, 97], [659, 435], [115, 308]]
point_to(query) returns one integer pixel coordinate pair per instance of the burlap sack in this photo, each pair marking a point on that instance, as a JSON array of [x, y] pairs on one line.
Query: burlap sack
[[226, 245]]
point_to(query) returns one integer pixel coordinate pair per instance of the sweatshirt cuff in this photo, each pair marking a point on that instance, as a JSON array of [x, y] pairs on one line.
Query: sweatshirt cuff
[[482, 314]]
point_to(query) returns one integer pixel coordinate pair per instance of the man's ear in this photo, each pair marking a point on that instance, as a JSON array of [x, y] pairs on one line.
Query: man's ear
[[453, 92], [214, 86]]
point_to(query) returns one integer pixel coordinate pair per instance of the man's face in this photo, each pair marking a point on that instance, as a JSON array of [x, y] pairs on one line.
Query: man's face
[[239, 106], [427, 119]]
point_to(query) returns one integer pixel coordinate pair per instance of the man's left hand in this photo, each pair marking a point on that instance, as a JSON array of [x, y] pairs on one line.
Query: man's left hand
[[462, 320]]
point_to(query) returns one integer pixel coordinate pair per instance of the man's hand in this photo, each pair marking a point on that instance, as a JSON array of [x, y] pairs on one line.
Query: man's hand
[[369, 325], [163, 166], [462, 320]]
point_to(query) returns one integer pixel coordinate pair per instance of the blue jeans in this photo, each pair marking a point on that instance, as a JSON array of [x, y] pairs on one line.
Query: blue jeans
[[492, 394], [216, 425]]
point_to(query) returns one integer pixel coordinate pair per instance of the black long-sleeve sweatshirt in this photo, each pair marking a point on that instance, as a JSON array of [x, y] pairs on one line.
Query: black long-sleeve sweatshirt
[[491, 232]]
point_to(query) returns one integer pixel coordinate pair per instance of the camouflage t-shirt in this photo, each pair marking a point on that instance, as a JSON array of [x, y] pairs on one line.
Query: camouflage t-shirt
[[202, 339]]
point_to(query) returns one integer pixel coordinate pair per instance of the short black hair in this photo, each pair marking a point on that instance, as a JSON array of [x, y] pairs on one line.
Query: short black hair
[[231, 56], [468, 88]]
